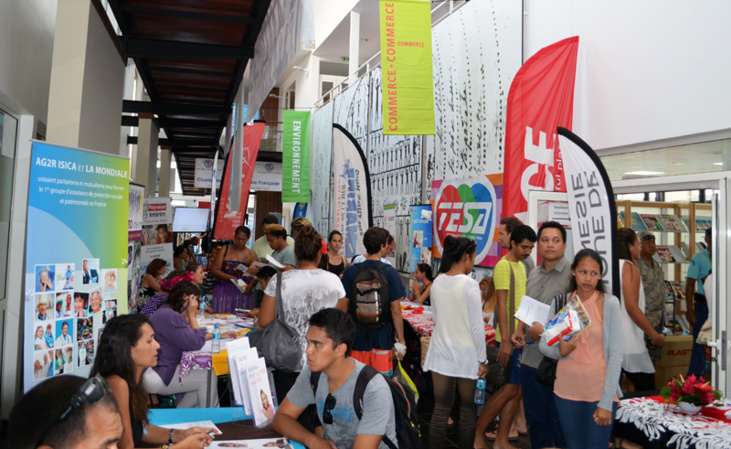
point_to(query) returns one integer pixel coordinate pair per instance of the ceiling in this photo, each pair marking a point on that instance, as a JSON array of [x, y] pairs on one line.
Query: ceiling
[[191, 56]]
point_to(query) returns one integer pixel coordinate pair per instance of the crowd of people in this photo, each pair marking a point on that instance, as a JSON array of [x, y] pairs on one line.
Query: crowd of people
[[350, 327]]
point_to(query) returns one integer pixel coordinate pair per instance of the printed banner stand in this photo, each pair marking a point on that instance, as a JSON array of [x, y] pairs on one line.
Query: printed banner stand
[[76, 257], [591, 200], [421, 236]]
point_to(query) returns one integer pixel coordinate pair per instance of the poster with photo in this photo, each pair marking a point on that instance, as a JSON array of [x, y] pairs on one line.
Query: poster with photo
[[157, 232], [421, 236], [71, 271]]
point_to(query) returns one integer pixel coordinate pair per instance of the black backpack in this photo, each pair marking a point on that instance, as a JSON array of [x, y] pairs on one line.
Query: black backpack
[[369, 303], [404, 407]]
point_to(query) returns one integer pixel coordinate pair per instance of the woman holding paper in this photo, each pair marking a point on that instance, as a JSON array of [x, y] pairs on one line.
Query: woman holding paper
[[636, 363], [589, 364], [126, 349], [230, 264], [456, 355]]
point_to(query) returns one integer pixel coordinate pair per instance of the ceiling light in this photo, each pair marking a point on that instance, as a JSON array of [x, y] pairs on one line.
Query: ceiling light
[[644, 173], [718, 163]]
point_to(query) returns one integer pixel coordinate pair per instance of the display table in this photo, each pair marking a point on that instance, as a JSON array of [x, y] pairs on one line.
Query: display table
[[234, 424], [420, 318], [649, 422]]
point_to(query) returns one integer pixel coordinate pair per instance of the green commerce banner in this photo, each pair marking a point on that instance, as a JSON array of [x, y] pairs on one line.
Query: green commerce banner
[[406, 58], [296, 157]]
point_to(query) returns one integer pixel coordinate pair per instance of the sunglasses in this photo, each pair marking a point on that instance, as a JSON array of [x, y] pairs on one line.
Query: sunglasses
[[93, 391], [327, 415]]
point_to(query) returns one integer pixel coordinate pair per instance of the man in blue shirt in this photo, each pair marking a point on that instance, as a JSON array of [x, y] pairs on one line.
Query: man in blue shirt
[[373, 346], [697, 314]]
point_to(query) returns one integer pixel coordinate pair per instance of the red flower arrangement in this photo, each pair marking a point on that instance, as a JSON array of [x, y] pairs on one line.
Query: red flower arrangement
[[689, 390]]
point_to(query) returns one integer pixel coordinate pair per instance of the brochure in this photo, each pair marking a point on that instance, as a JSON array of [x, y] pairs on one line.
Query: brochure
[[569, 322], [260, 395]]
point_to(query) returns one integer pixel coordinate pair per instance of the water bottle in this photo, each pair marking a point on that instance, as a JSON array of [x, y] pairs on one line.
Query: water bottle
[[480, 391], [216, 347], [202, 306]]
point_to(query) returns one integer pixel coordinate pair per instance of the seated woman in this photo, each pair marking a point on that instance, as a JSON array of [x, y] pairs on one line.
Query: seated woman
[[126, 349], [230, 264], [177, 335], [181, 258], [193, 273], [150, 285], [421, 287], [305, 290]]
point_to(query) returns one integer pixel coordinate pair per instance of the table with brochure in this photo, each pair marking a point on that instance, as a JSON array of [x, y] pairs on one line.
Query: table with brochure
[[420, 319]]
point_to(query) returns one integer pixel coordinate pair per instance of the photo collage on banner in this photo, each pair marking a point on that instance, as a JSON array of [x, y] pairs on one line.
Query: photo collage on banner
[[76, 264], [421, 236], [134, 245]]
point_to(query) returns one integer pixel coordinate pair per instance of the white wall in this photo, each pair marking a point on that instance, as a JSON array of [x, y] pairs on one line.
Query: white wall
[[329, 13], [649, 73], [26, 48]]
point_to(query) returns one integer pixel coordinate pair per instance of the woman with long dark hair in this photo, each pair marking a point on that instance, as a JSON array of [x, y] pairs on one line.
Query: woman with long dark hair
[[456, 355], [230, 264], [176, 334], [126, 349], [636, 362], [150, 285], [586, 386], [305, 290], [333, 261], [421, 286]]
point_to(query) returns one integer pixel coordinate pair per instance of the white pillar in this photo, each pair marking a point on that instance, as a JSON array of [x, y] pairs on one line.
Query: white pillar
[[146, 160], [165, 159], [354, 51]]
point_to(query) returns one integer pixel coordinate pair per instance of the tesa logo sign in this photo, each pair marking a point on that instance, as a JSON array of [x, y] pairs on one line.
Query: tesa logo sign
[[466, 208]]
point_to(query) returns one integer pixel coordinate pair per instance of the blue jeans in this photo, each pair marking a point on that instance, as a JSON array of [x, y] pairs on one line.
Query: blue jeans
[[698, 353], [579, 429], [544, 426]]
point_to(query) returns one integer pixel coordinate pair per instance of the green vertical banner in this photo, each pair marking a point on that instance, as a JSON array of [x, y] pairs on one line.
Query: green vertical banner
[[296, 157], [406, 60]]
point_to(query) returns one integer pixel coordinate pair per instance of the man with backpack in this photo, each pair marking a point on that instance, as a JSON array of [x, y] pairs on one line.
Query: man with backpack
[[331, 381], [374, 290]]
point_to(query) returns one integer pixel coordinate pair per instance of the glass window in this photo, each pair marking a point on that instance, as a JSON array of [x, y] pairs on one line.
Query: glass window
[[8, 133]]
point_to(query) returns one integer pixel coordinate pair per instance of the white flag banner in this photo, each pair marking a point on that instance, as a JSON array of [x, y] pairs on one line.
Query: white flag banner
[[591, 203], [352, 191]]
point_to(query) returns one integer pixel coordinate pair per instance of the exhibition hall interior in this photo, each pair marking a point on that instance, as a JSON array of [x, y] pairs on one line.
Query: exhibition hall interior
[[514, 214]]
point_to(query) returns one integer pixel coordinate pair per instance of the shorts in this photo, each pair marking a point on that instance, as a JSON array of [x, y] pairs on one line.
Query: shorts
[[515, 369], [379, 359]]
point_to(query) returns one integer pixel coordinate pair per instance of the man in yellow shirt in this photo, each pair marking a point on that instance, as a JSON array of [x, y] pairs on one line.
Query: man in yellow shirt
[[506, 400]]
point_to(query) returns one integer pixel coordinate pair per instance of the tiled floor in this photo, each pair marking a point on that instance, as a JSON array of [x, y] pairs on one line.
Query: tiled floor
[[424, 412]]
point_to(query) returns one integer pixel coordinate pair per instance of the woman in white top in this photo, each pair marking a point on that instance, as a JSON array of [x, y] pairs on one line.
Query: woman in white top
[[456, 355], [305, 290], [636, 362]]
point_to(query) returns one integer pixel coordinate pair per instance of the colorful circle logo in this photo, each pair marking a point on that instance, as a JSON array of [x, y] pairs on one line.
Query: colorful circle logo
[[269, 166], [466, 208]]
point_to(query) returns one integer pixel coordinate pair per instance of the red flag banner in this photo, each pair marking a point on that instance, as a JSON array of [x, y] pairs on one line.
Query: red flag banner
[[227, 221], [541, 98]]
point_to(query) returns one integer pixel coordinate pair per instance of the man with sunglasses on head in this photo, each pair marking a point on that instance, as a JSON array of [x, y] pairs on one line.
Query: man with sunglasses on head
[[330, 339], [66, 412]]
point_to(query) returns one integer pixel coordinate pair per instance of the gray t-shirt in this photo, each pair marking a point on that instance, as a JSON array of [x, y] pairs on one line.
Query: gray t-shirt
[[286, 256], [378, 414], [543, 286]]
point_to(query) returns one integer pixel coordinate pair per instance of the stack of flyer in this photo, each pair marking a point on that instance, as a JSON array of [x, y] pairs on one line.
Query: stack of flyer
[[250, 381], [568, 323]]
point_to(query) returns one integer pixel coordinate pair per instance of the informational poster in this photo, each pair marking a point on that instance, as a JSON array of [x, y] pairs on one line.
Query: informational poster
[[267, 177], [134, 243], [296, 157], [76, 257], [406, 58], [421, 236], [157, 232], [204, 172], [469, 208]]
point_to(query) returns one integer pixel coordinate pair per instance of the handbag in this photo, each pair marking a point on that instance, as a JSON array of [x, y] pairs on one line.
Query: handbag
[[500, 375], [705, 334], [546, 371], [279, 343]]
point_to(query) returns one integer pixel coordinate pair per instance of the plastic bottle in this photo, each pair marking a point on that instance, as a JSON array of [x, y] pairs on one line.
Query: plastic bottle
[[480, 391], [216, 347], [202, 306]]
